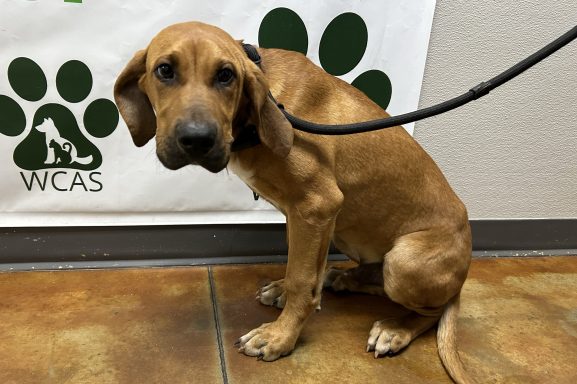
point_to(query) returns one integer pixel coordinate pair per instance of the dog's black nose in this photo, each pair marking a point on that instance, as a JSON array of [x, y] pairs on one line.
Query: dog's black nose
[[196, 139]]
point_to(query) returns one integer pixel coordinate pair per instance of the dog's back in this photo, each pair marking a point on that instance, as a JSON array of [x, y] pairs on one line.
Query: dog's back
[[411, 188]]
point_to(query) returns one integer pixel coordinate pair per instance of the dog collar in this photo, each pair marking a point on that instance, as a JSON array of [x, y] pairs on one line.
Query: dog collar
[[248, 135]]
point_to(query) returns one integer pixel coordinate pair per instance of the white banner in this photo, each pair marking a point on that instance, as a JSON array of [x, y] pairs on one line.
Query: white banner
[[65, 157]]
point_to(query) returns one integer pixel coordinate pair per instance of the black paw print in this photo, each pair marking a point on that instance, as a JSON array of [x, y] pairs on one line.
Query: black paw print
[[55, 139], [343, 45]]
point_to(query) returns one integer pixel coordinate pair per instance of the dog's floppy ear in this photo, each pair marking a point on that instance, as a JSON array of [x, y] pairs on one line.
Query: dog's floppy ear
[[274, 130], [133, 103]]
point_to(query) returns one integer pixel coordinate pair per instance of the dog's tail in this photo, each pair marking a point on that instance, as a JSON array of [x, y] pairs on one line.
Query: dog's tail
[[83, 160], [447, 343]]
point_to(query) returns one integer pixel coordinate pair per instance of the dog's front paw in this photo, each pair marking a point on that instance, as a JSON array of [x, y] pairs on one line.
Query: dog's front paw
[[267, 342], [272, 294]]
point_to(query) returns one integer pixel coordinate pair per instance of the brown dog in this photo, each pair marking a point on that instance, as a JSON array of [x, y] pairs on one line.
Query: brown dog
[[378, 195]]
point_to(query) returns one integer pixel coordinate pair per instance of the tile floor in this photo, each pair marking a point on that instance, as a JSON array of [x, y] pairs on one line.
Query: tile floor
[[518, 324]]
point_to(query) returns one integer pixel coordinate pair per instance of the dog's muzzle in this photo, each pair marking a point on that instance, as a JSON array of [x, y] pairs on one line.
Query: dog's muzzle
[[196, 139], [194, 143]]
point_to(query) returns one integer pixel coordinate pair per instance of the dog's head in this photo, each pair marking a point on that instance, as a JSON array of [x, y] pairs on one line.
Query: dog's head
[[46, 125], [194, 88]]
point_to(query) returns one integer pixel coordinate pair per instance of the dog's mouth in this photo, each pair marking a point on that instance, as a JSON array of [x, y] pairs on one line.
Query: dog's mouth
[[173, 158], [216, 164]]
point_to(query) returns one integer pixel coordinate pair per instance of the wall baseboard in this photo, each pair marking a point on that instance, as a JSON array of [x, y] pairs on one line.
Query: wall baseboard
[[93, 247]]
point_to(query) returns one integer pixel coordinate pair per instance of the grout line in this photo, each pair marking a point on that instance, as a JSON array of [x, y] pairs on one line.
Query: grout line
[[217, 324]]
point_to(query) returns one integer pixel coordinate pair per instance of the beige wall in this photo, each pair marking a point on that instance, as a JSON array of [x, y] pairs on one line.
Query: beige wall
[[512, 154]]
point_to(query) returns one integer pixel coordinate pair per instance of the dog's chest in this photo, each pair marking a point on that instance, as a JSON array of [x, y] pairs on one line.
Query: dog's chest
[[244, 172], [248, 175]]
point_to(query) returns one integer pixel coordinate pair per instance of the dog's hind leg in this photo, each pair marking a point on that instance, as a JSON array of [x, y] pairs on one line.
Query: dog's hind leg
[[424, 272], [272, 294], [365, 278], [389, 336]]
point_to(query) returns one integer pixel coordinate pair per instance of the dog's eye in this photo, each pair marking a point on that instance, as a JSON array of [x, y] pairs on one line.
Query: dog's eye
[[224, 76], [164, 72]]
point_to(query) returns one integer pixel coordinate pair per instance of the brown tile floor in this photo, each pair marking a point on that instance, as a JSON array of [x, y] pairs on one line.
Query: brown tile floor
[[518, 324]]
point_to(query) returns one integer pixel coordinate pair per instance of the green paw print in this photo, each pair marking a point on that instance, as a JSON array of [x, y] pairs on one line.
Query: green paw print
[[342, 47], [55, 139]]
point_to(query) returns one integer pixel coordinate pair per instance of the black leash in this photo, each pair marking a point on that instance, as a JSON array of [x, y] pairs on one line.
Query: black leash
[[474, 93]]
